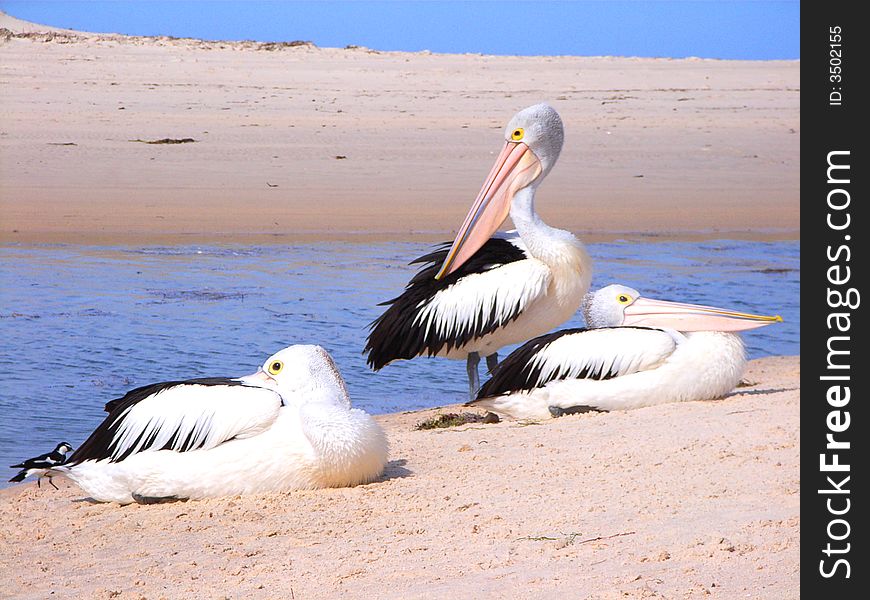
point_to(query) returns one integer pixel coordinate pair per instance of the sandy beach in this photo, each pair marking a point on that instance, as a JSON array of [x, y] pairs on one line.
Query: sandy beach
[[298, 142], [694, 500], [111, 139]]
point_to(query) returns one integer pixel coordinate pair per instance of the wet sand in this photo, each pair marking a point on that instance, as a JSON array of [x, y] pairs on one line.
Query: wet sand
[[682, 500], [298, 142]]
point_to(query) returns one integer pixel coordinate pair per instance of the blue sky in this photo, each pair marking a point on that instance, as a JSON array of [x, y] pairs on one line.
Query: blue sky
[[709, 29]]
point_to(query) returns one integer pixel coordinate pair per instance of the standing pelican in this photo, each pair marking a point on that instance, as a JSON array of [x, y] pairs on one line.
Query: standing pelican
[[638, 352], [486, 292], [288, 426]]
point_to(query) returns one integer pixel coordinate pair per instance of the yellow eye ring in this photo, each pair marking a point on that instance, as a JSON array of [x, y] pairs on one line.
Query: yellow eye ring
[[623, 299], [275, 367], [517, 134]]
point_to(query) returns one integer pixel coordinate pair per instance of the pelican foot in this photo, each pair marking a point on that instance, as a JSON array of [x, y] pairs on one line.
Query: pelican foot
[[556, 411], [156, 499]]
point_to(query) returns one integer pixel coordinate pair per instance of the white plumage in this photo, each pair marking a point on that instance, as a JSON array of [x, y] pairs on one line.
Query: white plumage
[[705, 366], [288, 426], [611, 352], [485, 292], [206, 415], [682, 352], [496, 295]]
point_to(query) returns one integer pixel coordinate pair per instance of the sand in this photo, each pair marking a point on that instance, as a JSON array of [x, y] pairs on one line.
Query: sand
[[692, 500], [294, 142], [298, 142]]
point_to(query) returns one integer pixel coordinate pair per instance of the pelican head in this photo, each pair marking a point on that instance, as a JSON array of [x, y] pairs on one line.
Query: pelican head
[[533, 141], [539, 128], [302, 373], [621, 306]]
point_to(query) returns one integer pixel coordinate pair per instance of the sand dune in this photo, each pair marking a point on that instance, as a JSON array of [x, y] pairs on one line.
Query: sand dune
[[294, 140]]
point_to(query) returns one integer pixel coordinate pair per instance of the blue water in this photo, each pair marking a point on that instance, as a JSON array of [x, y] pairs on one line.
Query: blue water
[[81, 325]]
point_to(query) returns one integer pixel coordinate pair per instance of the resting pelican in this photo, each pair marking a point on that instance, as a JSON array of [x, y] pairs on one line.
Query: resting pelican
[[288, 426], [486, 292], [638, 352]]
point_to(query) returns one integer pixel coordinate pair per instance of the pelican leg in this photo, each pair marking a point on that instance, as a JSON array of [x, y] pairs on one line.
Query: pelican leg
[[473, 377], [492, 362]]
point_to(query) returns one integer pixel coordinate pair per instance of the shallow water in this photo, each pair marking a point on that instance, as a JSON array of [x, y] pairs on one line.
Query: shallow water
[[81, 325]]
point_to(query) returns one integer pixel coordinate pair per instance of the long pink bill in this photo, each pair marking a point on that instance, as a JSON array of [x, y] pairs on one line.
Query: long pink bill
[[645, 312], [515, 167]]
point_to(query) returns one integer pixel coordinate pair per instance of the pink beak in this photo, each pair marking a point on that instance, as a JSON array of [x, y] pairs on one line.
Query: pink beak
[[515, 168], [259, 378], [645, 312]]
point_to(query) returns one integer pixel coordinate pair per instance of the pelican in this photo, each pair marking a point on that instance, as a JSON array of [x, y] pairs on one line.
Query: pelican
[[288, 426], [481, 293], [638, 352]]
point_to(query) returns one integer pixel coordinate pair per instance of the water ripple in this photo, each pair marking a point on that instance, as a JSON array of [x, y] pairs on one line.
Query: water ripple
[[81, 325]]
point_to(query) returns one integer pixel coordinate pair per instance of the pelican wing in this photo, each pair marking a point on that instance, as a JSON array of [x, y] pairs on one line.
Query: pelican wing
[[489, 290], [579, 354], [180, 416]]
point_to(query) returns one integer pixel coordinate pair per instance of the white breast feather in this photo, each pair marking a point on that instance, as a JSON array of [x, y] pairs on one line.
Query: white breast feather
[[459, 307], [211, 414], [619, 351], [514, 238]]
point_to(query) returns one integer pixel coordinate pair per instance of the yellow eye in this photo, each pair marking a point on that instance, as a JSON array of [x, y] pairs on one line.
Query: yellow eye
[[623, 299], [275, 367], [517, 134]]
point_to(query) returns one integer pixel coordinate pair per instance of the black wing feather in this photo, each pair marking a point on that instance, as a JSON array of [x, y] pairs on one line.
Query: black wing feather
[[396, 334], [519, 373], [99, 445]]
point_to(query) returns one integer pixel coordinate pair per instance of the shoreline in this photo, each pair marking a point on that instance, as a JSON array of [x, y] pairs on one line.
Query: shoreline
[[676, 500], [84, 238]]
